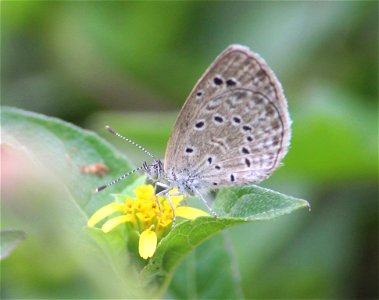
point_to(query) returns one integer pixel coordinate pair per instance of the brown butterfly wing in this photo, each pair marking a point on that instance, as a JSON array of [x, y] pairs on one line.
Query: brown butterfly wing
[[234, 127]]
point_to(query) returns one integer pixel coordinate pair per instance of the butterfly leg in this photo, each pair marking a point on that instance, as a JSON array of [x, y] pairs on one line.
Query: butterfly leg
[[173, 211], [165, 192], [206, 203], [156, 184], [166, 189]]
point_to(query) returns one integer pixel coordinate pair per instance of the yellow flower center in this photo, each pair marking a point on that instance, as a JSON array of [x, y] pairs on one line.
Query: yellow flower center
[[149, 214]]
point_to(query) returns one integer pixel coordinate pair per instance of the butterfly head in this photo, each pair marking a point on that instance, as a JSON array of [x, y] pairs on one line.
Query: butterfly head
[[154, 170]]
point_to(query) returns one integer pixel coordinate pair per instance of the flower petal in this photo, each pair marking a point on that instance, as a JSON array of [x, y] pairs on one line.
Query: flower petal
[[176, 199], [163, 222], [144, 192], [147, 243], [189, 213], [145, 217], [104, 212], [129, 205], [114, 222]]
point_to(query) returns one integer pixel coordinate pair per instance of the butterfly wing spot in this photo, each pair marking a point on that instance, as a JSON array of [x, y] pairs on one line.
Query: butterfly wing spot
[[270, 111], [244, 150], [231, 82], [200, 125], [199, 93], [275, 124], [260, 75], [260, 79], [217, 80], [246, 128], [189, 150], [232, 177], [258, 100], [209, 160], [249, 138], [218, 119], [217, 167], [247, 162], [236, 120], [275, 141]]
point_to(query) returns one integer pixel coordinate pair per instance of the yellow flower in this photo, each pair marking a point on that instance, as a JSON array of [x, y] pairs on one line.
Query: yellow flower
[[147, 243], [148, 214]]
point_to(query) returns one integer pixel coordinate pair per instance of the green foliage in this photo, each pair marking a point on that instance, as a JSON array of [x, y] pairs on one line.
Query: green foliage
[[9, 239], [64, 149], [209, 272], [245, 204], [131, 65], [53, 140]]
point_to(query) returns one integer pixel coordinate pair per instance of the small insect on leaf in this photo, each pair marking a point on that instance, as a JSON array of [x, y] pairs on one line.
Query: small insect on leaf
[[98, 169]]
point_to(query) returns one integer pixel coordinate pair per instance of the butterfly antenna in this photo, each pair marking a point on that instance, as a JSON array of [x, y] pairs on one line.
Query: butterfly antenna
[[100, 188], [130, 141]]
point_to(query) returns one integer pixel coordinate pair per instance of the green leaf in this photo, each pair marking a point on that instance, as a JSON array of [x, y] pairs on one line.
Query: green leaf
[[252, 203], [209, 272], [233, 206], [63, 149], [60, 150], [9, 239]]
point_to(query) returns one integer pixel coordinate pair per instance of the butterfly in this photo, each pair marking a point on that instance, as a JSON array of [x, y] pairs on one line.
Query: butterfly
[[234, 129]]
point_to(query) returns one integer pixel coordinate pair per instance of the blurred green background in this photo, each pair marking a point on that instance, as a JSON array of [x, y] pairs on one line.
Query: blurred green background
[[132, 64]]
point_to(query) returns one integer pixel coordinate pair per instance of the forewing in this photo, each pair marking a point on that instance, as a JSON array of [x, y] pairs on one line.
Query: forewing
[[234, 127]]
